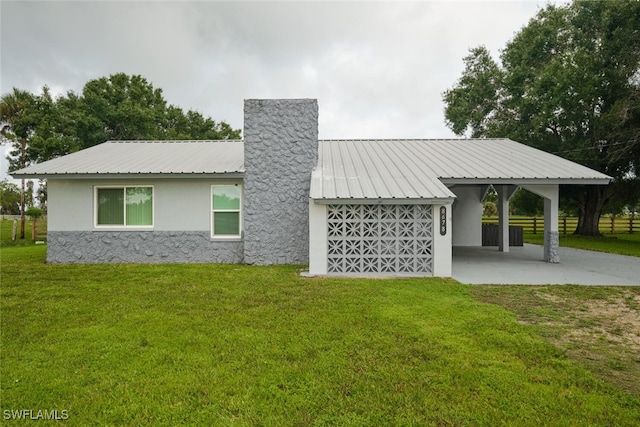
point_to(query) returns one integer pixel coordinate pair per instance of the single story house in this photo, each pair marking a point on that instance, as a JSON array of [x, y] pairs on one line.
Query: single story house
[[345, 207]]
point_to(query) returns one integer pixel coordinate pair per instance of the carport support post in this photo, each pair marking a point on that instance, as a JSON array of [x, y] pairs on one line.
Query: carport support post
[[503, 218], [550, 193], [504, 194], [551, 235]]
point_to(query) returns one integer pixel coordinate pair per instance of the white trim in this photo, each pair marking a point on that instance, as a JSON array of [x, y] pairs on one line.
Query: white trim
[[441, 243], [381, 201], [526, 181], [115, 227], [139, 175], [317, 238], [230, 237]]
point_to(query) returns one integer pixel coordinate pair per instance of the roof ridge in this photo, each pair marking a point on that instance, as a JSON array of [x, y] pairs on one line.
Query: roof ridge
[[410, 139], [170, 141]]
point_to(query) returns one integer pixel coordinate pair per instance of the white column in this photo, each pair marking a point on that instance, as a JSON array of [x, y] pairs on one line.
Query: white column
[[551, 236], [503, 218], [317, 239], [441, 248]]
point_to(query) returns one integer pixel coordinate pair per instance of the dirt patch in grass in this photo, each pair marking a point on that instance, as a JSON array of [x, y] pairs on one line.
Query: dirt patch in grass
[[598, 326]]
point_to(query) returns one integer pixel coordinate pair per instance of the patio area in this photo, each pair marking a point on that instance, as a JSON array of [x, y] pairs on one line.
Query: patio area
[[524, 265]]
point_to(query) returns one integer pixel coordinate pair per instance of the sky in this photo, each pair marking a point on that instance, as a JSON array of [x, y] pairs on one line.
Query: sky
[[377, 69]]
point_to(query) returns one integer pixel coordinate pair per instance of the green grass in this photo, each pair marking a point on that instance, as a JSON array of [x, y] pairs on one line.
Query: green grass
[[6, 229], [599, 326], [243, 345], [622, 244]]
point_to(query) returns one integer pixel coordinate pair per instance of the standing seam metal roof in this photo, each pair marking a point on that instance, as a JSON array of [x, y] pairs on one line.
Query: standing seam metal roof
[[147, 157], [346, 169], [421, 168]]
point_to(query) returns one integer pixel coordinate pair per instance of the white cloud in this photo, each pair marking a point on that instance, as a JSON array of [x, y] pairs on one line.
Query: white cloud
[[377, 68]]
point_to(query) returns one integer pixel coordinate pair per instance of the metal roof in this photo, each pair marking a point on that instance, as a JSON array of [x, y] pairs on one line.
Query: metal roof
[[411, 169], [121, 158], [354, 169], [386, 169]]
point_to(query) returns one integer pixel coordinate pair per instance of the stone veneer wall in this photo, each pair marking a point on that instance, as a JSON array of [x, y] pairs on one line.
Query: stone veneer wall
[[140, 247], [281, 149], [552, 247]]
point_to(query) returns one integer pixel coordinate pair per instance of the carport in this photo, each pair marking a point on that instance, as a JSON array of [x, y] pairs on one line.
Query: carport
[[506, 166], [468, 208], [398, 207]]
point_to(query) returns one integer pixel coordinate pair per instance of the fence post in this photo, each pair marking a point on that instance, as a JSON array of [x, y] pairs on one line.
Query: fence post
[[535, 225], [15, 230], [613, 224], [564, 225], [631, 225], [33, 230]]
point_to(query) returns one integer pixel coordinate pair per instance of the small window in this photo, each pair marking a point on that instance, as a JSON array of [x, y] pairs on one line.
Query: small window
[[124, 206], [225, 210]]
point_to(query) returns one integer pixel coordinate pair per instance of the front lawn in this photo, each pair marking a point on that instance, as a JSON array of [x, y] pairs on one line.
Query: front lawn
[[242, 345]]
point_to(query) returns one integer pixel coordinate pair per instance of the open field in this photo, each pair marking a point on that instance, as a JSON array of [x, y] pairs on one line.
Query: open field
[[6, 228], [242, 345], [621, 244]]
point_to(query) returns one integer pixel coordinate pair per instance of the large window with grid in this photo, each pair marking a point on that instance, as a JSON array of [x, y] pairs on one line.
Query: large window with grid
[[226, 214], [124, 206]]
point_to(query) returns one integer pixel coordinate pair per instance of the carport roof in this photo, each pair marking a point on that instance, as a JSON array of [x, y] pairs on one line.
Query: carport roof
[[422, 168]]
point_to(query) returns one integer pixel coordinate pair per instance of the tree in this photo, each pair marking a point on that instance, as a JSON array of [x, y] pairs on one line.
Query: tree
[[526, 203], [118, 107], [9, 198], [16, 124], [54, 134], [123, 107], [568, 83]]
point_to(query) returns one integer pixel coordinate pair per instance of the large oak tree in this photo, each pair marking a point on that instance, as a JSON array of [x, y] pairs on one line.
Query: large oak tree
[[568, 83]]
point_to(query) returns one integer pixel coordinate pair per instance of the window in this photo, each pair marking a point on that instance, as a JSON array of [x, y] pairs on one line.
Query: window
[[225, 210], [124, 206]]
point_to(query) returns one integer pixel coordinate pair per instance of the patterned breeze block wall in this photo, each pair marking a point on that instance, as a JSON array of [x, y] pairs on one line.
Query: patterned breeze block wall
[[380, 239]]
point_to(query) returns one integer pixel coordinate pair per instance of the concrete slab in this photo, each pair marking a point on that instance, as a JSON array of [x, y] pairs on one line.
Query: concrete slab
[[524, 265]]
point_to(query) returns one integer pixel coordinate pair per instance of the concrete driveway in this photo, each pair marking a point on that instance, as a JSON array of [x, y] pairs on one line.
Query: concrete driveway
[[524, 265]]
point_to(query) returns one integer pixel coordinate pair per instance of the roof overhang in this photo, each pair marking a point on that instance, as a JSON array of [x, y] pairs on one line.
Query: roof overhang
[[526, 181], [385, 201], [129, 175]]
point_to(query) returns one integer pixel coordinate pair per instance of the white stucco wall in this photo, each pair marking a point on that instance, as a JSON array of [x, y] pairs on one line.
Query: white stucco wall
[[317, 238], [467, 216], [442, 243], [179, 204]]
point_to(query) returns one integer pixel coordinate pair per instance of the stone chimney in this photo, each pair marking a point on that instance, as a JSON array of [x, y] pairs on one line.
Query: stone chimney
[[280, 151]]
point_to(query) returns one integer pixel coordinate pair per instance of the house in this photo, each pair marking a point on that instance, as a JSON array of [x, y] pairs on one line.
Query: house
[[280, 196]]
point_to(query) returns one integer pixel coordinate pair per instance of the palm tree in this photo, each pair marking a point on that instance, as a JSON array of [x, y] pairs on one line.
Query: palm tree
[[15, 127]]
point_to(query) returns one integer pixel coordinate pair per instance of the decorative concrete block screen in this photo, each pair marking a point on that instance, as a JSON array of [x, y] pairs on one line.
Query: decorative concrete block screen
[[383, 239]]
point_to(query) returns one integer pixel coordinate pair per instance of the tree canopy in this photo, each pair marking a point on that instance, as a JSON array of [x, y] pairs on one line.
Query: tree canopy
[[568, 83], [118, 107]]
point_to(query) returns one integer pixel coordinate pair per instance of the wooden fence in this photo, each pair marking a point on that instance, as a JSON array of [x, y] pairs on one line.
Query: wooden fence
[[7, 229], [567, 225]]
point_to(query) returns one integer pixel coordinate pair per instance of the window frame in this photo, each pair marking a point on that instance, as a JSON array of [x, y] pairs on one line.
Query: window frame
[[212, 212], [124, 188]]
